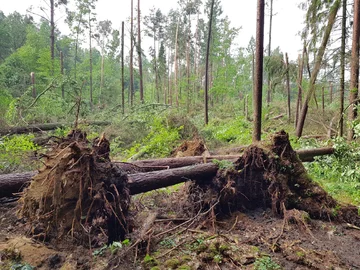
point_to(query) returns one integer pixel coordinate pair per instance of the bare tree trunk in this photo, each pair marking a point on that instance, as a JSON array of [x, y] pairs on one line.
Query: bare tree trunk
[[300, 76], [331, 89], [62, 73], [176, 65], [206, 97], [101, 75], [90, 64], [52, 35], [122, 69], [319, 57], [288, 86], [342, 68], [323, 99], [354, 69], [132, 55], [268, 99], [32, 78], [140, 57], [257, 94]]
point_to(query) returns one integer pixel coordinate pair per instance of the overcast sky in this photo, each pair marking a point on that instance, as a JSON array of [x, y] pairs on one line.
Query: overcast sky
[[242, 13]]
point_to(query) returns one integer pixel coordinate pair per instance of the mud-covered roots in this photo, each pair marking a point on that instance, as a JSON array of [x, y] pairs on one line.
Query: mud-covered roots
[[79, 193], [270, 176]]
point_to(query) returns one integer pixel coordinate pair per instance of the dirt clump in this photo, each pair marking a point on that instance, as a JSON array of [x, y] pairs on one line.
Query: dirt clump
[[78, 193], [269, 176], [195, 147]]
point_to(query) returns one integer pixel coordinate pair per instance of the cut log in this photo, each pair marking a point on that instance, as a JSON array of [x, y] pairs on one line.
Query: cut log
[[45, 127], [144, 174]]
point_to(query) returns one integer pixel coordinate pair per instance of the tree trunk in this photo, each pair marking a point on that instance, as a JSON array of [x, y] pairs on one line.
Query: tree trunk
[[323, 99], [62, 73], [132, 55], [287, 85], [44, 127], [180, 170], [268, 99], [354, 69], [90, 64], [206, 97], [33, 88], [300, 77], [175, 63], [319, 57], [257, 94], [122, 69], [331, 89], [342, 68], [140, 57], [52, 35]]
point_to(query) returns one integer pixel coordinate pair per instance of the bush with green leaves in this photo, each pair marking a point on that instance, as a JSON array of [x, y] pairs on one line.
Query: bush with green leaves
[[265, 263], [15, 153], [338, 173]]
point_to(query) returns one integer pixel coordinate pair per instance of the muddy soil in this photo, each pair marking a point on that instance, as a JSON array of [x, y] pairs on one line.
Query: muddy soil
[[248, 240]]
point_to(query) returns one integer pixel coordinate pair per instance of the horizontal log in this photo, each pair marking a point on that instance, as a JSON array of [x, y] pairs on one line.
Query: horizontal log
[[138, 182], [45, 127], [144, 179]]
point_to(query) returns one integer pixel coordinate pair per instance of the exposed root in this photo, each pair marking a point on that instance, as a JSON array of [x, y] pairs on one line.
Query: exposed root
[[79, 192]]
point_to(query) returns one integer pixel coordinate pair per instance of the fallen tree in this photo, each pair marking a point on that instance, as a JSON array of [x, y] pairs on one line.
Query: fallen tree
[[14, 183], [45, 127]]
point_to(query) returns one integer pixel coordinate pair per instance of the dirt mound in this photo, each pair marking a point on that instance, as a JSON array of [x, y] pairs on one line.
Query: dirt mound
[[270, 176], [194, 147], [78, 193]]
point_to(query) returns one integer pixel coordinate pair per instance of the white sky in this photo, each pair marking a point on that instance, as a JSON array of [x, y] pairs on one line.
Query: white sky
[[242, 13]]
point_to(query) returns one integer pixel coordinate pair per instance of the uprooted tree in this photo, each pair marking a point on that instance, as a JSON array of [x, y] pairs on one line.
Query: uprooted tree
[[80, 193]]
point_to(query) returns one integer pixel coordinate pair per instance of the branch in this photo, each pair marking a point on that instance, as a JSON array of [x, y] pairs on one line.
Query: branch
[[51, 85]]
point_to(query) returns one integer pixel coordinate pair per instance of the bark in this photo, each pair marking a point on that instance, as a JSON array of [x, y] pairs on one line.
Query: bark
[[132, 55], [319, 58], [354, 70], [45, 127], [90, 64], [175, 63], [268, 99], [52, 35], [288, 86], [168, 171], [257, 99], [342, 68], [206, 97], [140, 57], [122, 69], [32, 78], [323, 99], [300, 78], [62, 73]]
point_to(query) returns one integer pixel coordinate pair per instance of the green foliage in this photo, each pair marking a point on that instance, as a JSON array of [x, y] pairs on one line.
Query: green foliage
[[14, 152], [158, 143], [338, 173], [265, 263], [21, 266], [236, 130], [223, 164]]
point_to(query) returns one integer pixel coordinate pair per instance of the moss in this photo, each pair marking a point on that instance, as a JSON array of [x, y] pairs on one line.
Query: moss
[[186, 258], [172, 263], [155, 268], [184, 267]]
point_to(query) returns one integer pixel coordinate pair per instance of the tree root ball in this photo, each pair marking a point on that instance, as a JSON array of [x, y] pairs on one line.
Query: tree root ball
[[269, 176], [78, 193]]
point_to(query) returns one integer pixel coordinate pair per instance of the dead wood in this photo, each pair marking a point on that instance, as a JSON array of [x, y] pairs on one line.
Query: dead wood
[[44, 127], [14, 183]]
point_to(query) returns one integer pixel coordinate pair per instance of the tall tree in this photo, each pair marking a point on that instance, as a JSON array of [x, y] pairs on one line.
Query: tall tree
[[288, 86], [342, 68], [122, 70], [259, 55], [132, 54], [354, 69], [268, 98], [319, 57], [206, 97], [140, 56]]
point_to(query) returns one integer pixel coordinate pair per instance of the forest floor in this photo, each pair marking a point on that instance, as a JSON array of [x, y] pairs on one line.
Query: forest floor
[[245, 240]]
